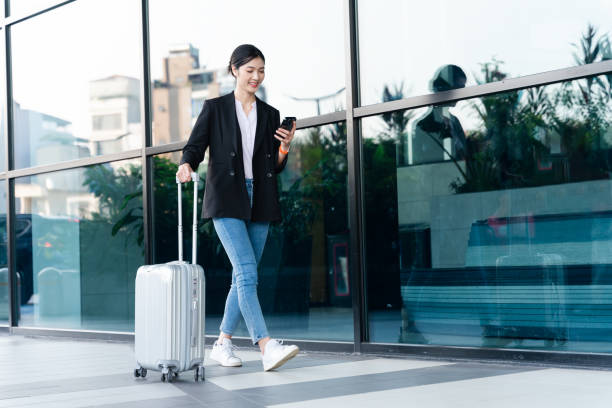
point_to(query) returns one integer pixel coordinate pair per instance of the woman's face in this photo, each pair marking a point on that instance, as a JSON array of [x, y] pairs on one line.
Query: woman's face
[[250, 75]]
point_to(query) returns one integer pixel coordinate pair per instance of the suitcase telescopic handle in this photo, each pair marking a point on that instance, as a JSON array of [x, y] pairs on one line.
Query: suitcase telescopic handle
[[195, 178]]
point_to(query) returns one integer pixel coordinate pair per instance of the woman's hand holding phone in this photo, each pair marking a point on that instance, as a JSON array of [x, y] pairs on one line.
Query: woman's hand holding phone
[[286, 132]]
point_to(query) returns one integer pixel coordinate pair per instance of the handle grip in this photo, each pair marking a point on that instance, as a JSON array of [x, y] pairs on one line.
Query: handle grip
[[195, 178]]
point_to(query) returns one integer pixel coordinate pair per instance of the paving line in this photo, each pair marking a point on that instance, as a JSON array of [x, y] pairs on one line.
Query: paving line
[[91, 398], [319, 373], [559, 388]]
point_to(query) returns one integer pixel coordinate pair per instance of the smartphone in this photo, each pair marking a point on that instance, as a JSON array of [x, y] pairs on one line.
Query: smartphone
[[288, 122]]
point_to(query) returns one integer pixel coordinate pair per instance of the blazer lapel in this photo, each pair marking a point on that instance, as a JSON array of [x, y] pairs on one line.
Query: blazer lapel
[[231, 120], [259, 129]]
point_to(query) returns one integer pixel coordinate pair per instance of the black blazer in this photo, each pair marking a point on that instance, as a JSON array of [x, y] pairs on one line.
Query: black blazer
[[225, 193]]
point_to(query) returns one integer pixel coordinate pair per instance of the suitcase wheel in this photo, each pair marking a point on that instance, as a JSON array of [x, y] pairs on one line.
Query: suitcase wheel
[[169, 376], [199, 374], [140, 372]]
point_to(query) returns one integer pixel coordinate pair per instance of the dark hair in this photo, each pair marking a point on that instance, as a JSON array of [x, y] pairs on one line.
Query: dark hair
[[448, 77], [243, 54]]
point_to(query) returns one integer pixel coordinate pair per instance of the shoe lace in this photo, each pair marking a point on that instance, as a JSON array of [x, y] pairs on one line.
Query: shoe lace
[[229, 350], [277, 342], [223, 346]]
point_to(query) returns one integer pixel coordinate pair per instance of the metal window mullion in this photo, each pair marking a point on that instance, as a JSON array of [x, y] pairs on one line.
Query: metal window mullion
[[74, 164], [303, 123], [10, 183], [354, 156], [507, 85], [10, 20], [145, 114], [321, 120]]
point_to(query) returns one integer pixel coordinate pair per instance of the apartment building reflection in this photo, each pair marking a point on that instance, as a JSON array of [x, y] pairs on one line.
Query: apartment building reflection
[[57, 211], [114, 106]]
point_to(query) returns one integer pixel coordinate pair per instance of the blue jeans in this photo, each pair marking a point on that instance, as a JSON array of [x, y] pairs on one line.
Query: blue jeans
[[244, 242]]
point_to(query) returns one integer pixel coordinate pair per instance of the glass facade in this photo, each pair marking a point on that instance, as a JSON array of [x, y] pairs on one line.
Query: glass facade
[[535, 36], [4, 270], [86, 100], [79, 243], [304, 73], [499, 233], [3, 166], [4, 284], [482, 221], [304, 287]]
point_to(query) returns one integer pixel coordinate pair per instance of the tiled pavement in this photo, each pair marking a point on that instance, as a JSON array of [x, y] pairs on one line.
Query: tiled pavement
[[43, 372]]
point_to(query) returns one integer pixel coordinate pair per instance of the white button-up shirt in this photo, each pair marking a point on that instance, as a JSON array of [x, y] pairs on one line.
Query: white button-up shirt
[[248, 124]]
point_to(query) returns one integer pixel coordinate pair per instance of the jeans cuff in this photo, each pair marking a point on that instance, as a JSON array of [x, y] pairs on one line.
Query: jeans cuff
[[262, 336], [229, 332]]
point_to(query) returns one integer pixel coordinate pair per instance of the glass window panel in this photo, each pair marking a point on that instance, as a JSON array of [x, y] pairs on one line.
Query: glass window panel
[[3, 166], [489, 221], [79, 239], [304, 287], [404, 43], [4, 288], [86, 100], [190, 54]]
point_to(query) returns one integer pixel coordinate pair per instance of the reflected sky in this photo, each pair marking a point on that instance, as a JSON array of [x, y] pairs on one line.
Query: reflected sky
[[51, 78], [407, 41], [303, 44]]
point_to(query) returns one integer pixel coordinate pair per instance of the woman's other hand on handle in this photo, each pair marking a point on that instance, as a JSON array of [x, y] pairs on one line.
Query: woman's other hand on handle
[[184, 173]]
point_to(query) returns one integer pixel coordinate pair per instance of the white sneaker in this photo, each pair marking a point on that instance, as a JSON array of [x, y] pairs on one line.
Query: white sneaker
[[276, 354], [224, 354]]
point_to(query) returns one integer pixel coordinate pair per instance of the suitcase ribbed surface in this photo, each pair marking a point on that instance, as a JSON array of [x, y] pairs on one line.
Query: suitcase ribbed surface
[[169, 317]]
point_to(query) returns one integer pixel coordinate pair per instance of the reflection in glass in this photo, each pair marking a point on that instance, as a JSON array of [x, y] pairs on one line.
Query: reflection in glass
[[4, 288], [404, 42], [86, 100], [502, 235], [187, 67], [79, 242], [438, 133], [3, 165], [304, 287]]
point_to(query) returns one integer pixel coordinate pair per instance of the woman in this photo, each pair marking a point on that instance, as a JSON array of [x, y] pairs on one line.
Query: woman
[[247, 148]]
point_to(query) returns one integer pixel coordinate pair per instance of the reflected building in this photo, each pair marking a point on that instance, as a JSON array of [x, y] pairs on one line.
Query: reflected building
[[44, 138], [49, 138], [114, 106]]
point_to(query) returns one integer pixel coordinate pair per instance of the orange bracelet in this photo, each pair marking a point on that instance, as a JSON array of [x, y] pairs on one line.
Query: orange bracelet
[[280, 149]]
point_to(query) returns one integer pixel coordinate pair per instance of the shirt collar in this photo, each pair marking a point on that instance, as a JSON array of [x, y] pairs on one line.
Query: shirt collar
[[240, 104]]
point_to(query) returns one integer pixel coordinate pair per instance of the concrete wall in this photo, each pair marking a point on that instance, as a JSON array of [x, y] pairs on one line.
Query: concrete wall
[[424, 196]]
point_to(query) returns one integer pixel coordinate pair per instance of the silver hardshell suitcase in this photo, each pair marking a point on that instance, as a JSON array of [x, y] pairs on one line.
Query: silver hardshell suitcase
[[169, 316]]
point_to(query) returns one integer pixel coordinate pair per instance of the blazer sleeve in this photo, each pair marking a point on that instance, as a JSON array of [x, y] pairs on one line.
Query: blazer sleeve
[[193, 152], [276, 143]]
